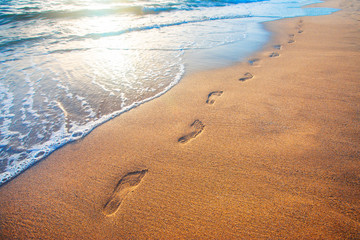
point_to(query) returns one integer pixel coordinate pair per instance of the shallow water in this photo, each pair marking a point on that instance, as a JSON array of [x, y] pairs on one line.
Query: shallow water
[[68, 66]]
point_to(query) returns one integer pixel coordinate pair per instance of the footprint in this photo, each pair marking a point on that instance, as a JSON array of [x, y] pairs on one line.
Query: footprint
[[254, 61], [246, 76], [299, 27], [278, 46], [300, 23], [274, 54], [198, 127], [291, 38], [127, 184], [212, 96]]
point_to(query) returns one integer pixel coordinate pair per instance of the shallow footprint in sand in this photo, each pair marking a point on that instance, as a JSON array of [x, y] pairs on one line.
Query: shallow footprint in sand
[[212, 96], [300, 23], [274, 54], [278, 46], [299, 27], [127, 184], [291, 38], [246, 76], [254, 61], [198, 127]]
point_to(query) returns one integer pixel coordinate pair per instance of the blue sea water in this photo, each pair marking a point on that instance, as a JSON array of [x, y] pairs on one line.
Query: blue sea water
[[68, 66]]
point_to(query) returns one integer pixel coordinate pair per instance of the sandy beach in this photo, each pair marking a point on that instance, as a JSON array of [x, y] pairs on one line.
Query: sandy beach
[[265, 149]]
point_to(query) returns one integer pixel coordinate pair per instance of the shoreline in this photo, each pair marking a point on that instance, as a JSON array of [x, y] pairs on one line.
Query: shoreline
[[272, 157]]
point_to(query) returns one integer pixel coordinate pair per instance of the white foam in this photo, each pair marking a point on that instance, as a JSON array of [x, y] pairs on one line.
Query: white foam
[[6, 103], [61, 137]]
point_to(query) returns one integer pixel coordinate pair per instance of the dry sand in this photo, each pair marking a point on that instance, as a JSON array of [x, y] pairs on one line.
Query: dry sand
[[274, 155]]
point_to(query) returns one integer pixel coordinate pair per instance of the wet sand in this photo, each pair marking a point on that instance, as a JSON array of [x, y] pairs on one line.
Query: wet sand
[[269, 148]]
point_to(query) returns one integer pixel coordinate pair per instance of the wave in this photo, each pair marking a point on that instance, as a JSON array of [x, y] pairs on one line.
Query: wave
[[157, 26], [117, 33], [25, 13], [70, 14], [21, 160], [217, 3], [10, 43]]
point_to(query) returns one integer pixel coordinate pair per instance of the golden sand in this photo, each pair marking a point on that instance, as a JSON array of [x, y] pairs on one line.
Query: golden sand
[[268, 148]]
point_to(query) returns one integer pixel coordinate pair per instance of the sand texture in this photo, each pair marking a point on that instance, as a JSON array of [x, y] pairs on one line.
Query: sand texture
[[266, 149]]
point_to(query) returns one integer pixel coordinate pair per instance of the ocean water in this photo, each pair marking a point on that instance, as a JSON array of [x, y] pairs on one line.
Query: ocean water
[[68, 66]]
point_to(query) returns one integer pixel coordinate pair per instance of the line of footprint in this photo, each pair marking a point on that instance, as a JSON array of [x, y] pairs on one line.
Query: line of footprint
[[197, 126], [130, 181]]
